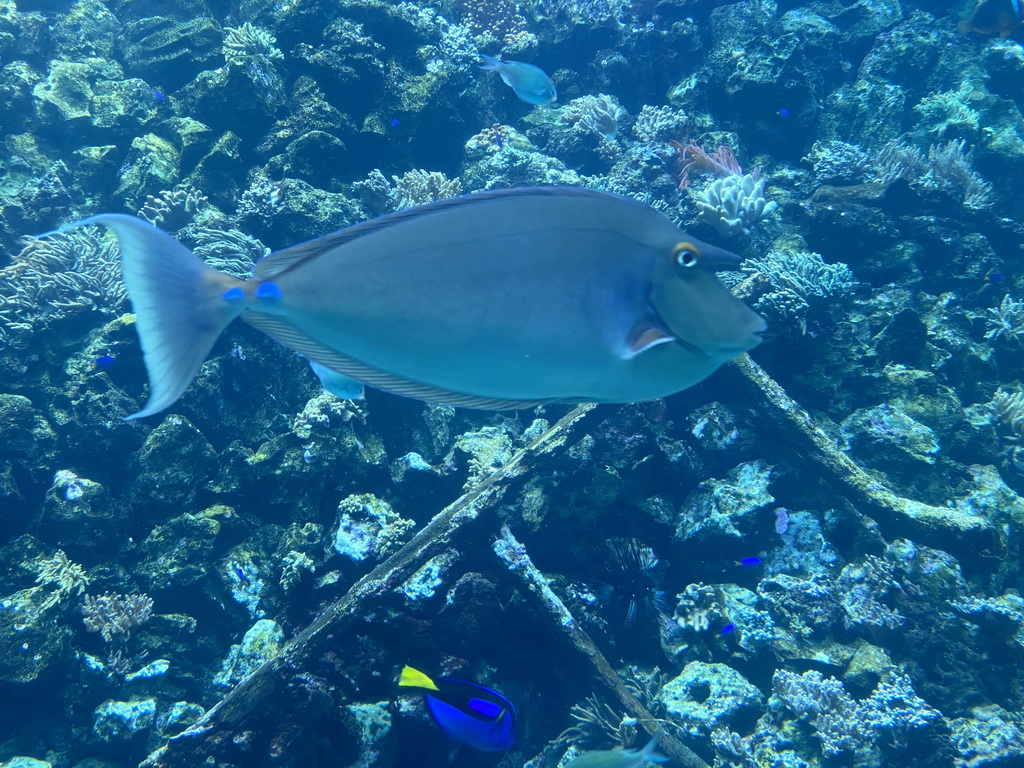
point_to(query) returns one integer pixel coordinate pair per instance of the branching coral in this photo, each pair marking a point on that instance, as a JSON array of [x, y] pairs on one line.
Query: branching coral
[[598, 722], [497, 21], [417, 187], [844, 725], [69, 577], [115, 616], [1008, 410], [243, 42], [659, 124], [947, 168], [1006, 320], [697, 608], [734, 204], [172, 210]]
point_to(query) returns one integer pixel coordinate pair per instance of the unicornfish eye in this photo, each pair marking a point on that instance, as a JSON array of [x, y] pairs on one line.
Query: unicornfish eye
[[687, 255]]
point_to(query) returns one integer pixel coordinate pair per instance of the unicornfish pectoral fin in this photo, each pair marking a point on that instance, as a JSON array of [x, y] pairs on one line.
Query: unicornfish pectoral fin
[[181, 305], [413, 678]]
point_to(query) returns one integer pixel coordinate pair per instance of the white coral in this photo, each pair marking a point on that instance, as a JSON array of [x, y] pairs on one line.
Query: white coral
[[734, 203]]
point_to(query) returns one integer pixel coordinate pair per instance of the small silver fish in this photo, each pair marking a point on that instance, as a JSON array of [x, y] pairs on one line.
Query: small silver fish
[[530, 83], [619, 758], [502, 299]]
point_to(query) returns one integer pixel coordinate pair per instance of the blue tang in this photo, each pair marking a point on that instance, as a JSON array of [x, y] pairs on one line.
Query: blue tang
[[104, 362], [472, 713], [530, 83], [502, 299]]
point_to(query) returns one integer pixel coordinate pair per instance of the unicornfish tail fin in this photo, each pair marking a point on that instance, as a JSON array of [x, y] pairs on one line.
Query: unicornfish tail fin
[[413, 678], [651, 754], [181, 305]]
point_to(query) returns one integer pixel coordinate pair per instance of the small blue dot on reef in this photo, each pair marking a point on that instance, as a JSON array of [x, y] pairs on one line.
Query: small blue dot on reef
[[103, 362], [395, 122]]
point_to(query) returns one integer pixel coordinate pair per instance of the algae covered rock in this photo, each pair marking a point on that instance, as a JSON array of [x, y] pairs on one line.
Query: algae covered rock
[[31, 640], [709, 696], [178, 552], [726, 507], [176, 461], [368, 528], [115, 721], [26, 437], [263, 641]]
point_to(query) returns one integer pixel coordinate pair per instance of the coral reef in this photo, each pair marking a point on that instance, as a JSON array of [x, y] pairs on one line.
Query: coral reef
[[836, 517]]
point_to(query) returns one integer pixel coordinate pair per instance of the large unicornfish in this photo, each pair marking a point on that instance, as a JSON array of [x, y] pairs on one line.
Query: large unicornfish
[[502, 299]]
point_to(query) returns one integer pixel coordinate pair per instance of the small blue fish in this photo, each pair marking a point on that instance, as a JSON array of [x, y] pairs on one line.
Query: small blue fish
[[394, 122], [995, 277], [530, 83], [749, 562], [474, 714], [103, 362], [241, 575], [783, 113], [158, 96], [727, 630]]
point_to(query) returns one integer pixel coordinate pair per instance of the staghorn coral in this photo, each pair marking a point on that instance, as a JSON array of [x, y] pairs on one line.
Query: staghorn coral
[[115, 616], [69, 577], [172, 210], [241, 43], [734, 204], [804, 273], [57, 276]]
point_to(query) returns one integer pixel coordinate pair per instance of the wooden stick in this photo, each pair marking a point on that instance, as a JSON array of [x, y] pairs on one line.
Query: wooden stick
[[514, 554], [966, 535]]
